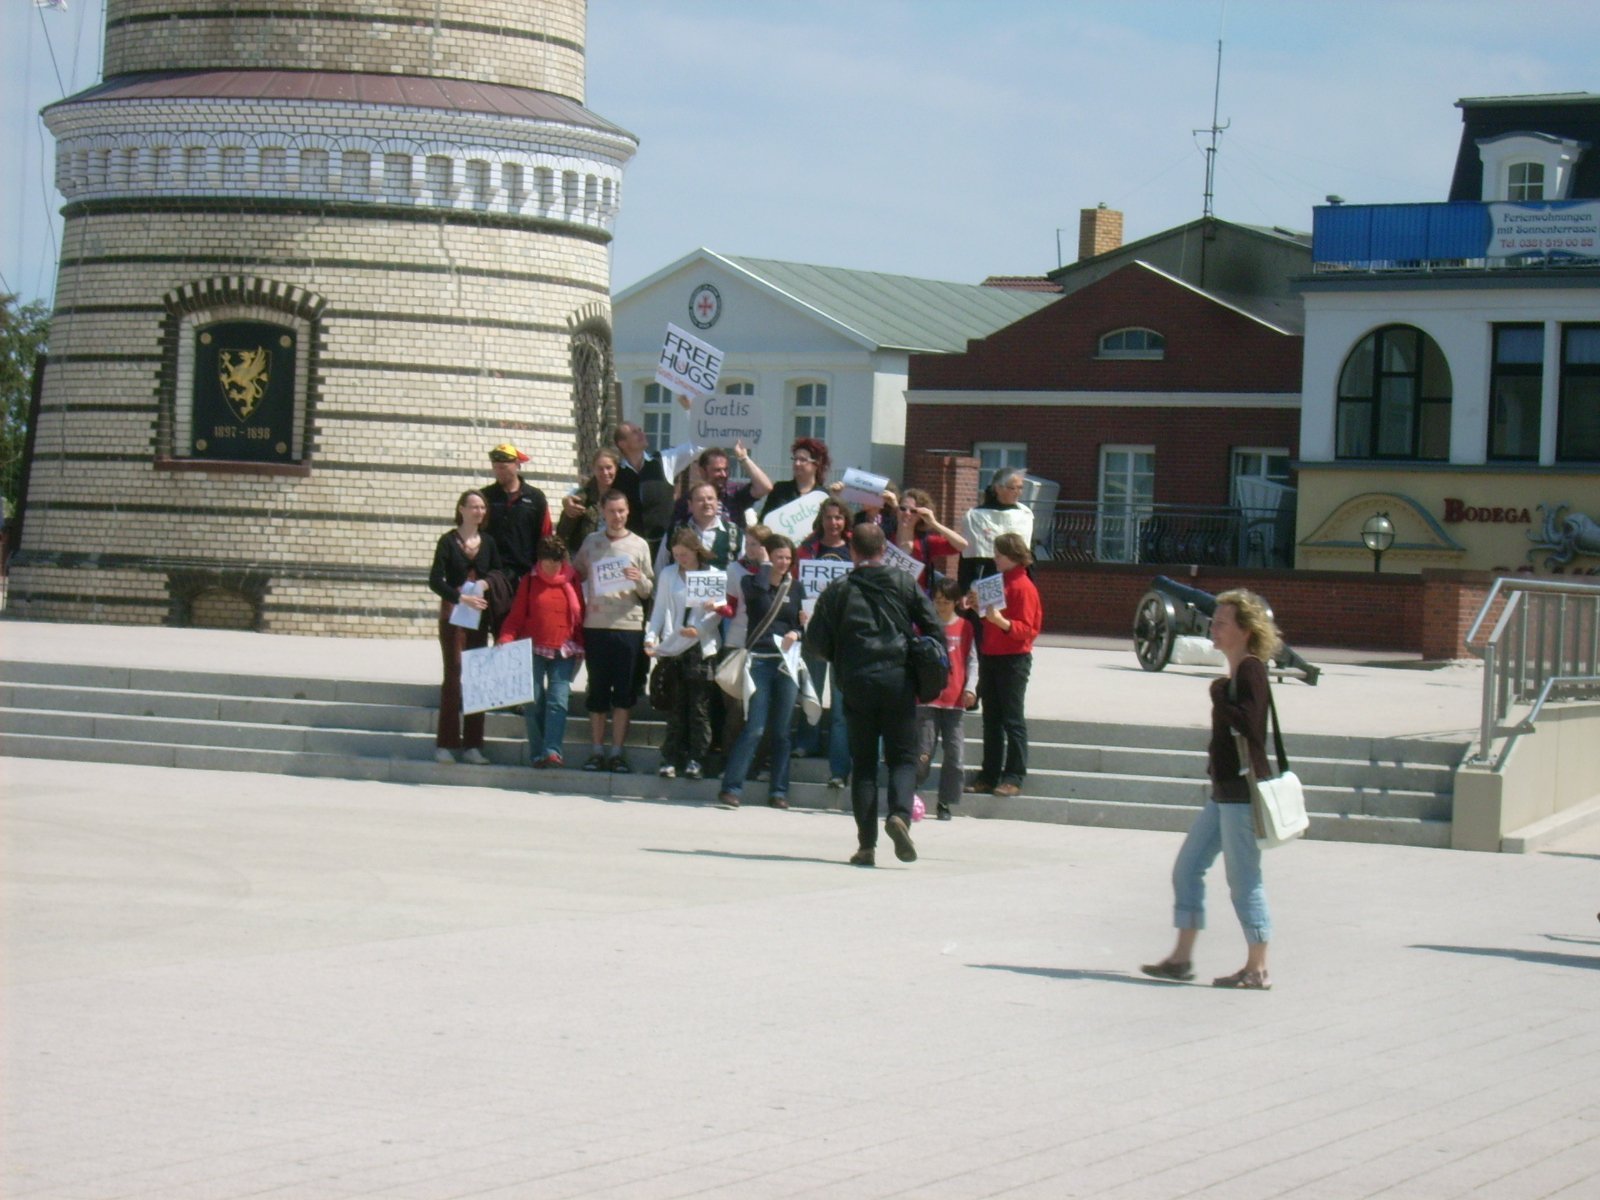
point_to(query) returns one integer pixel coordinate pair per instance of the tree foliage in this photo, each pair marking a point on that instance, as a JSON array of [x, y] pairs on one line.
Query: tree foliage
[[24, 329]]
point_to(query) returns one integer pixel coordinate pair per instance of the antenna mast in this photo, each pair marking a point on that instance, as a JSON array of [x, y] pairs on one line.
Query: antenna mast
[[1215, 131]]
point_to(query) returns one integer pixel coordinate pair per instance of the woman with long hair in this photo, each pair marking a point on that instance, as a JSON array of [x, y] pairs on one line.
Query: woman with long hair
[[920, 535], [465, 554], [682, 638], [1243, 629], [580, 510]]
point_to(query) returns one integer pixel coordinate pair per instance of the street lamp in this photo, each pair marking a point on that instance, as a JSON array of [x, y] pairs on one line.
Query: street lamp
[[1378, 535]]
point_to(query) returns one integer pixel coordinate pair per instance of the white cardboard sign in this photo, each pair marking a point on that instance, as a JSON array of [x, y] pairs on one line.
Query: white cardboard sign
[[687, 365], [497, 676], [991, 590], [706, 585], [862, 488], [897, 558], [606, 576], [818, 573], [794, 519]]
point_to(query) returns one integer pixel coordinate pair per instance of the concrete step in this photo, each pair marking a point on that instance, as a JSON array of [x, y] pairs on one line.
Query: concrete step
[[1080, 772]]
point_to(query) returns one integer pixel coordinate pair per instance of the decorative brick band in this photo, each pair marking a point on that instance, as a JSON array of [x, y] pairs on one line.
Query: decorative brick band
[[365, 17], [323, 153]]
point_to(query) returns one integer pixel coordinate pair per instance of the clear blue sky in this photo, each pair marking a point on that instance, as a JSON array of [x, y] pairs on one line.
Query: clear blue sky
[[950, 138]]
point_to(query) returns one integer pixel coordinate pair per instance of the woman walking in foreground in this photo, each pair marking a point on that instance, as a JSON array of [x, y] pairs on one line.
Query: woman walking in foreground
[[1242, 628]]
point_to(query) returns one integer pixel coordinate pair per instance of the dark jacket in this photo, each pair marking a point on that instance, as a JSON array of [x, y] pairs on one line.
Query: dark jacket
[[517, 525], [451, 566], [863, 625], [1238, 704], [650, 495]]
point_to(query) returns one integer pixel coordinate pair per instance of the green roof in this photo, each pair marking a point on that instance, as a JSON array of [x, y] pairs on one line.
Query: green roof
[[893, 312]]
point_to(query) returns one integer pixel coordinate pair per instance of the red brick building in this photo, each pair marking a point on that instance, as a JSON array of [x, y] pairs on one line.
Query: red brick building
[[1147, 400]]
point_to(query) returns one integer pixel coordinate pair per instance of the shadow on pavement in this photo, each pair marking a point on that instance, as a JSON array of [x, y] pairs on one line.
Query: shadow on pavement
[[1545, 957], [1569, 854], [1073, 973], [1581, 941], [827, 862]]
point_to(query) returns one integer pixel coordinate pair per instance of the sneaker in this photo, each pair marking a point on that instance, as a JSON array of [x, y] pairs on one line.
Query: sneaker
[[901, 837], [444, 758], [619, 765], [475, 757], [864, 857], [837, 782], [550, 761], [667, 771], [595, 762], [694, 770]]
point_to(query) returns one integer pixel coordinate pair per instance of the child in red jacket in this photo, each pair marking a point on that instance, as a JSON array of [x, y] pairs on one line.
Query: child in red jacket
[[1005, 659], [941, 719], [549, 610]]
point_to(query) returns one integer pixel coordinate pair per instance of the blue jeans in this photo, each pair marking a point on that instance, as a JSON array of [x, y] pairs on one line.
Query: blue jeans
[[546, 716], [1231, 830], [838, 729], [773, 703]]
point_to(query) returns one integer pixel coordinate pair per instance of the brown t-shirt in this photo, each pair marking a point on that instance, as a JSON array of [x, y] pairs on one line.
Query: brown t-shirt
[[1239, 704]]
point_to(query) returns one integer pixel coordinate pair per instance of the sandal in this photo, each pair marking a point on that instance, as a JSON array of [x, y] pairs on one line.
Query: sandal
[[1177, 972], [1254, 981]]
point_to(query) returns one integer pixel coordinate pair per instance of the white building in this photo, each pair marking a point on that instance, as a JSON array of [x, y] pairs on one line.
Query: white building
[[809, 351]]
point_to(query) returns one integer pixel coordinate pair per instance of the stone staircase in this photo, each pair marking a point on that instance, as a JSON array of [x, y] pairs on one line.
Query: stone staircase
[[1395, 790]]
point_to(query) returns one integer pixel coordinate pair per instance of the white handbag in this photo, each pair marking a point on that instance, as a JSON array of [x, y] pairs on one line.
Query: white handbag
[[1279, 803]]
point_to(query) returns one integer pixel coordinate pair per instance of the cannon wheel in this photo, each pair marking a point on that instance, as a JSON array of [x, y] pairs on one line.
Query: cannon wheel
[[1155, 626]]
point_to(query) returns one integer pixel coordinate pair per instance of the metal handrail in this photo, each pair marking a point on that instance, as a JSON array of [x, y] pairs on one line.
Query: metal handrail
[[1528, 653]]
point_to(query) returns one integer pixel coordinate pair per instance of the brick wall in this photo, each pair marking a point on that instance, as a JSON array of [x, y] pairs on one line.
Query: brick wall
[[1427, 614]]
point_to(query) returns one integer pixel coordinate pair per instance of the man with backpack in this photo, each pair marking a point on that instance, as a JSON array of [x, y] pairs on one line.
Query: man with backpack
[[865, 625]]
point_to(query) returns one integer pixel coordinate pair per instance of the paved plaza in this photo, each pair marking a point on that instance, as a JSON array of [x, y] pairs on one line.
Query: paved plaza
[[226, 985]]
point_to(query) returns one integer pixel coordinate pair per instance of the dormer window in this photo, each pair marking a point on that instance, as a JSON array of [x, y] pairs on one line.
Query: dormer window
[[1528, 168], [1133, 344], [1525, 181]]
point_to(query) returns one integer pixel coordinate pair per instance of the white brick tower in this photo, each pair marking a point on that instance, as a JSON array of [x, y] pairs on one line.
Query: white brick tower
[[317, 260]]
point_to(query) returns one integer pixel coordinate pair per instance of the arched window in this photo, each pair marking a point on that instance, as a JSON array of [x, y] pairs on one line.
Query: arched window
[[1133, 343], [1394, 397]]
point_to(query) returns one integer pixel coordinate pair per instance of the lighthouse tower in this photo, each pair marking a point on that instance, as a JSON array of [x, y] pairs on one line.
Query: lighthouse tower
[[317, 260]]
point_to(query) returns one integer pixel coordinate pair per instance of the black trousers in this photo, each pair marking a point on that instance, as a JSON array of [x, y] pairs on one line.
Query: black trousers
[[1003, 686], [893, 718]]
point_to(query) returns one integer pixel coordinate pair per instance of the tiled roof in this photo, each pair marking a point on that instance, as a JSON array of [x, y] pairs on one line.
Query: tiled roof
[[411, 91]]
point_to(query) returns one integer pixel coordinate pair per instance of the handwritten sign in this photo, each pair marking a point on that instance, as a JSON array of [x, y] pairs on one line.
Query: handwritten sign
[[862, 488], [706, 585], [465, 615], [897, 558], [991, 592], [794, 519], [818, 573], [606, 576], [687, 365], [497, 676]]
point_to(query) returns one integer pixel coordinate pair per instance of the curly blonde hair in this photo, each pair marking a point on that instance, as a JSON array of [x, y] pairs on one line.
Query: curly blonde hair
[[1255, 618]]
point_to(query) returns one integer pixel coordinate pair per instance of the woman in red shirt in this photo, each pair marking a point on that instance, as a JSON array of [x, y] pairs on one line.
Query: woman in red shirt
[[1005, 659], [549, 610], [920, 535]]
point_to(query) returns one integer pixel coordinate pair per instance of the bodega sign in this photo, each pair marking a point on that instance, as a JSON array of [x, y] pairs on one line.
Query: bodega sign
[[1458, 511], [688, 366]]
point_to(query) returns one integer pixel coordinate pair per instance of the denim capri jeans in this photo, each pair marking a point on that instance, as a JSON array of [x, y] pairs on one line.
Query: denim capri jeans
[[1228, 829]]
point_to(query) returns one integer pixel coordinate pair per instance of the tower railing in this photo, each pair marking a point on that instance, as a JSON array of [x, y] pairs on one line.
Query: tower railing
[[1544, 645]]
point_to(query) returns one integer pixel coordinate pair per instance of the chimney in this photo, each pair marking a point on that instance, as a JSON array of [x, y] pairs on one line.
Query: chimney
[[1099, 230]]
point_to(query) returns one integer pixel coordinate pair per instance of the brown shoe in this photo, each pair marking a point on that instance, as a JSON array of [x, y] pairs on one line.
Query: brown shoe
[[895, 827], [978, 787], [777, 802], [727, 800], [864, 857], [1007, 789]]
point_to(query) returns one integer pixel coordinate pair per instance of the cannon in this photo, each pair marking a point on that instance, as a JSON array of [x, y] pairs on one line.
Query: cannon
[[1170, 610]]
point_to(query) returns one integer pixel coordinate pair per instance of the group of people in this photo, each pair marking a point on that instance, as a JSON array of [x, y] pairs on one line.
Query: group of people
[[509, 561], [520, 569]]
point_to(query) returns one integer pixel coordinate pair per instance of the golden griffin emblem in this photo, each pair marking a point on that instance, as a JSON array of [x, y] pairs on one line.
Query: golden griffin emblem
[[244, 375]]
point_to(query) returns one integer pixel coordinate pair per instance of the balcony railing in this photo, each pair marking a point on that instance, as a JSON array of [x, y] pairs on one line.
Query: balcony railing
[[1459, 235], [1219, 536]]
